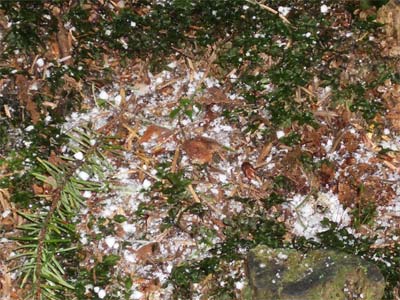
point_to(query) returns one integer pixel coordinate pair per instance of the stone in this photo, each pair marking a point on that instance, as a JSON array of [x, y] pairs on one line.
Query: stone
[[287, 274]]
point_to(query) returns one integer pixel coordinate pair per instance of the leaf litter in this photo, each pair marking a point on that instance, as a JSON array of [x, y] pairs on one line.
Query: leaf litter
[[245, 168], [185, 167]]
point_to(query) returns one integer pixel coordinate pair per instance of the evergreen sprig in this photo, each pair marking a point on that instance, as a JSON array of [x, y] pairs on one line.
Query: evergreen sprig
[[50, 232]]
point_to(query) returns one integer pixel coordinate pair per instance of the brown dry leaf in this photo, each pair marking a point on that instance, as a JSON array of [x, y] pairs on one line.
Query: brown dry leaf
[[4, 199], [158, 133], [248, 170], [389, 15], [54, 51], [376, 191], [64, 41], [209, 115], [25, 98], [141, 89], [151, 288], [54, 159], [264, 153], [145, 252], [45, 189], [200, 149], [51, 183], [72, 83], [7, 223], [131, 136], [213, 95], [350, 142], [347, 195], [37, 189], [167, 91], [174, 165], [327, 173], [394, 117], [12, 220], [142, 10], [5, 283]]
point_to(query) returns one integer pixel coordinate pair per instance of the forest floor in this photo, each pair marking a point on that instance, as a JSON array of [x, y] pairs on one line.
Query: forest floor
[[146, 147]]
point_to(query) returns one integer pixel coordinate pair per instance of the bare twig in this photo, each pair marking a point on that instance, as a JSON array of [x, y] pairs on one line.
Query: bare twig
[[271, 10], [174, 165], [194, 195]]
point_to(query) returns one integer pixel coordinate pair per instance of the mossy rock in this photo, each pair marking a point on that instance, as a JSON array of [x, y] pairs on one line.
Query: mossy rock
[[286, 274]]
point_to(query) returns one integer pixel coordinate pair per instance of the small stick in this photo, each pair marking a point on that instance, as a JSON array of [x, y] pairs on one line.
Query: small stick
[[194, 195], [337, 141], [174, 165], [284, 19], [198, 200]]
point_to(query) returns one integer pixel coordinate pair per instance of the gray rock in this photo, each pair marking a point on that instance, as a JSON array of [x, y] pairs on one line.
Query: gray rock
[[286, 274]]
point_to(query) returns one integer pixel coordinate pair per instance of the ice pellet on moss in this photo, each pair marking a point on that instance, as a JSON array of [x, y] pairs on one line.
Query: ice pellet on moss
[[324, 8], [284, 10], [282, 256], [40, 62], [239, 285], [280, 134]]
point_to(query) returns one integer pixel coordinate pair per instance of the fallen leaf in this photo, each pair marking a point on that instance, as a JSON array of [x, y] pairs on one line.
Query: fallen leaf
[[25, 98], [248, 170], [64, 41], [346, 194], [37, 189], [213, 95], [155, 132], [327, 173], [50, 184], [145, 252], [7, 223], [11, 220], [394, 117], [54, 159], [264, 153], [200, 149], [141, 89]]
